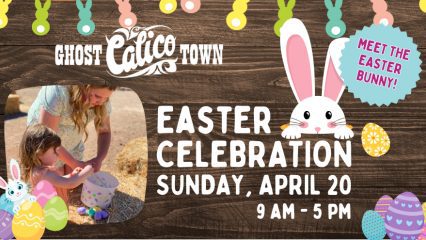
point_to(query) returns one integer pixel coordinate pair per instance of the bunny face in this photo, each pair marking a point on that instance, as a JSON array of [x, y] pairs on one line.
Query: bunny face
[[16, 190], [313, 114], [317, 115]]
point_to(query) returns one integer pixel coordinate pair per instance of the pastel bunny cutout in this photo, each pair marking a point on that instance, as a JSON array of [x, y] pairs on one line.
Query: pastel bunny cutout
[[41, 26], [85, 26], [4, 8], [127, 18]]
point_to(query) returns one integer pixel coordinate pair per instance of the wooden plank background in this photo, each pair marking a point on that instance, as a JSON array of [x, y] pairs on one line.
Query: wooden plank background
[[252, 74]]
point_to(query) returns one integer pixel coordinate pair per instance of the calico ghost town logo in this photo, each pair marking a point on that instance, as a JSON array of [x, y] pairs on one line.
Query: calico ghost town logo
[[140, 51]]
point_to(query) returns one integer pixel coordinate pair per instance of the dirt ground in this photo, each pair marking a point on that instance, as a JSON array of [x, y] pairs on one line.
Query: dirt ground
[[127, 123]]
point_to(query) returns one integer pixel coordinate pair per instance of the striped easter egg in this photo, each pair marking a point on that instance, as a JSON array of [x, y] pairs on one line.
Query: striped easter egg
[[44, 191], [404, 219], [382, 205]]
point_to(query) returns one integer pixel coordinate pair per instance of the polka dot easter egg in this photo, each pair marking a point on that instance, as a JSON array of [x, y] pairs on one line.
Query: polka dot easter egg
[[28, 222], [375, 140], [44, 191], [404, 219], [373, 225], [56, 214], [382, 205], [6, 225]]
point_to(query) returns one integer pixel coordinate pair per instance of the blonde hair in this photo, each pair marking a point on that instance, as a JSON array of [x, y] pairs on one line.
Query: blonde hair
[[36, 140], [80, 106]]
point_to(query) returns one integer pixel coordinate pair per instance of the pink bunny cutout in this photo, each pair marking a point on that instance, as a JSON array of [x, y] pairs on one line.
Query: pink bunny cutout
[[127, 18], [313, 114]]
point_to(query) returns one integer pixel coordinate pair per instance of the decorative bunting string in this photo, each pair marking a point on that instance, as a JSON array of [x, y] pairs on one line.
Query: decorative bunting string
[[284, 14], [4, 8], [335, 27], [127, 18], [168, 6], [85, 26], [237, 20], [382, 16], [41, 25], [190, 6]]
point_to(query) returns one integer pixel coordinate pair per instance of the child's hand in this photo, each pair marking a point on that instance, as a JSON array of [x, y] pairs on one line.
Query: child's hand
[[96, 164], [76, 171]]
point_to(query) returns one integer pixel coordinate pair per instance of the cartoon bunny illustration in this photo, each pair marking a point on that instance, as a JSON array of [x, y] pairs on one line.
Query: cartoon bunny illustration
[[16, 190], [313, 114]]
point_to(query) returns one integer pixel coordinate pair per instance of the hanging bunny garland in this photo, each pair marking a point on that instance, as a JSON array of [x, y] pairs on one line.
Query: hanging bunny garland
[[127, 18], [237, 20], [4, 8], [85, 26], [190, 6], [168, 6], [284, 14], [335, 27], [41, 24]]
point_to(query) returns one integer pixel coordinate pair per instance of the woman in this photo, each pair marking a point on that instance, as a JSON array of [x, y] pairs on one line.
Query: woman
[[68, 110]]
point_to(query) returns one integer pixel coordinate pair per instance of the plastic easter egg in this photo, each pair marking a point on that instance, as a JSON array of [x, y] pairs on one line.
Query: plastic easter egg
[[56, 214], [91, 212], [98, 216], [404, 219], [375, 140], [6, 225], [382, 205], [6, 204], [28, 223], [373, 225], [81, 211], [105, 214], [44, 191]]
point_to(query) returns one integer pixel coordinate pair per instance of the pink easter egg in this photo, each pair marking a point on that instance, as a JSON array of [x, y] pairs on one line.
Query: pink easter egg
[[44, 191], [382, 205], [404, 219]]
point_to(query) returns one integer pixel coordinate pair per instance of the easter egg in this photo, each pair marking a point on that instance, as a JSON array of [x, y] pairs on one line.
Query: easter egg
[[404, 219], [375, 140], [81, 211], [6, 204], [98, 216], [44, 191], [382, 205], [6, 225], [28, 222], [423, 235], [56, 214], [373, 225]]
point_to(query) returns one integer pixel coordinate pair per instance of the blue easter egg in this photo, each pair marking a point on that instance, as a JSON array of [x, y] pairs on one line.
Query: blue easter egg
[[373, 225]]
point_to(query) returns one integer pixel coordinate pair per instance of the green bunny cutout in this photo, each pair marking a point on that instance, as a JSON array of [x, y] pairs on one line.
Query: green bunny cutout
[[85, 26], [335, 27], [40, 25]]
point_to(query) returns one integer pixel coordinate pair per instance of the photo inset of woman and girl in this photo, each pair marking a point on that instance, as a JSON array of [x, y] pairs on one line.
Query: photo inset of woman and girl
[[54, 141]]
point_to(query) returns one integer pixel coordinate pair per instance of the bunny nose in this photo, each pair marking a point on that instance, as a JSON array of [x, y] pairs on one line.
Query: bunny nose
[[317, 129]]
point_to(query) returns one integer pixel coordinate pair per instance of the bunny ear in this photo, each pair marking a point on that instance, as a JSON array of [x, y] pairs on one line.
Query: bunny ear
[[88, 4], [296, 52], [332, 85], [37, 4], [3, 183], [15, 170], [47, 4], [79, 4]]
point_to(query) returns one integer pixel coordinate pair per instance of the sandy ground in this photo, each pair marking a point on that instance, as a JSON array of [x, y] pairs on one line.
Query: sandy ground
[[127, 122]]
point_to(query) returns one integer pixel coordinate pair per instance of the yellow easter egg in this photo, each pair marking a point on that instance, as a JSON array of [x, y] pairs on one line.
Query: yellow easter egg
[[28, 222], [236, 21], [375, 140]]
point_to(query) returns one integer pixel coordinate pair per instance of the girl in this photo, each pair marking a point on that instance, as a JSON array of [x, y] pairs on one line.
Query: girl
[[38, 153]]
